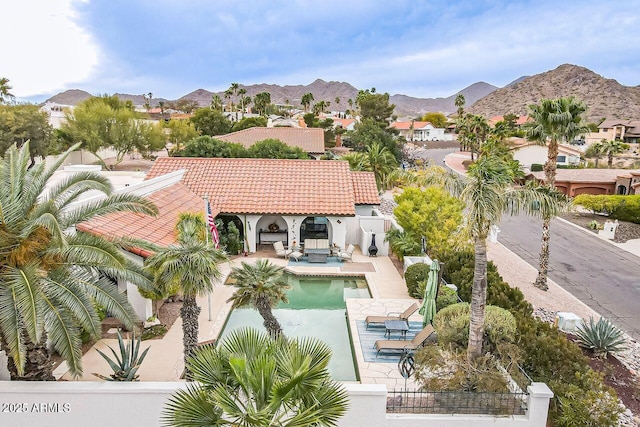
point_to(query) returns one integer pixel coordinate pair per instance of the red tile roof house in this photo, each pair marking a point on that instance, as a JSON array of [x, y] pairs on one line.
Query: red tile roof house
[[272, 200], [310, 140], [419, 131]]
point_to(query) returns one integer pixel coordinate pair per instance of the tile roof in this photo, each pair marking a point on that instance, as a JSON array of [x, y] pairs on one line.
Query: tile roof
[[171, 201], [311, 140], [586, 175], [268, 186], [407, 125], [364, 188]]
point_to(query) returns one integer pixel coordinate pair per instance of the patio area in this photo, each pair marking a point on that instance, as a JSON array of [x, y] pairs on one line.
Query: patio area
[[164, 361]]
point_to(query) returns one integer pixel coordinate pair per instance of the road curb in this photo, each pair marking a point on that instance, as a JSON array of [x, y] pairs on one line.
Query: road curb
[[617, 245]]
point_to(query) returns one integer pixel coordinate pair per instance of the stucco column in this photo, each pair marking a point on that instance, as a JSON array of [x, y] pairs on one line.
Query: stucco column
[[539, 396]]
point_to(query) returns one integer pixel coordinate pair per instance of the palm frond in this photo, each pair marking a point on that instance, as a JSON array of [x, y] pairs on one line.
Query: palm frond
[[124, 202], [26, 284], [65, 336], [10, 327]]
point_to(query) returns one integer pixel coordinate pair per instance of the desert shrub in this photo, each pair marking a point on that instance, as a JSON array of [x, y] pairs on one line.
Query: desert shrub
[[452, 325], [623, 208], [443, 369], [536, 167], [446, 297], [594, 225], [458, 269], [585, 402], [415, 274], [153, 332], [601, 337]]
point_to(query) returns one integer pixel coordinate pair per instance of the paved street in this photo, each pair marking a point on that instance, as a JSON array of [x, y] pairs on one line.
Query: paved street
[[601, 275]]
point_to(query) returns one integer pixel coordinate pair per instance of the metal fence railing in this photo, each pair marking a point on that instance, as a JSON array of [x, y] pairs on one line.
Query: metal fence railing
[[457, 402]]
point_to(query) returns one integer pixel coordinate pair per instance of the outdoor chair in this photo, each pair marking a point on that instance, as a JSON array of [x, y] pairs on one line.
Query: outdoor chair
[[310, 244], [392, 316], [281, 251], [405, 345], [346, 255], [295, 255], [322, 243]]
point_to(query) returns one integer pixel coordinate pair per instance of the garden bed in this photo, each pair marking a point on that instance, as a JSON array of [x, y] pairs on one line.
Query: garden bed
[[626, 230]]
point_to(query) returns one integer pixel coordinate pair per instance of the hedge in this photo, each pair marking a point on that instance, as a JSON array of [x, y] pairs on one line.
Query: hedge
[[622, 208]]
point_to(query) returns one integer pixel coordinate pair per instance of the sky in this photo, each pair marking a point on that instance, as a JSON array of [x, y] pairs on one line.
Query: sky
[[417, 48]]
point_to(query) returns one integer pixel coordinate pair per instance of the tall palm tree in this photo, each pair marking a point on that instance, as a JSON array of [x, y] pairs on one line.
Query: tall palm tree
[[612, 148], [306, 101], [50, 276], [459, 103], [216, 102], [260, 286], [595, 151], [191, 264], [488, 194], [252, 380], [5, 95], [380, 161], [555, 121]]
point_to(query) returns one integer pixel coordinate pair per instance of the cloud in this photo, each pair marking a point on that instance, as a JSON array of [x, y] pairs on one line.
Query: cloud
[[44, 48]]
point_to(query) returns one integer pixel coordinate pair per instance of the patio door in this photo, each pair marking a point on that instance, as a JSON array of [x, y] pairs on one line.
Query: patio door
[[314, 227]]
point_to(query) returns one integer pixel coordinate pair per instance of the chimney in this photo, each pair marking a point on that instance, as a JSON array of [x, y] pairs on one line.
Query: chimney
[[338, 140]]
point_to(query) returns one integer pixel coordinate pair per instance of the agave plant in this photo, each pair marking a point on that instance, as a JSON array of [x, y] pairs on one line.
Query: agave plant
[[601, 337], [126, 364]]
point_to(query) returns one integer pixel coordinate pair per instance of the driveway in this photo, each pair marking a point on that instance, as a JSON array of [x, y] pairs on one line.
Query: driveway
[[601, 275]]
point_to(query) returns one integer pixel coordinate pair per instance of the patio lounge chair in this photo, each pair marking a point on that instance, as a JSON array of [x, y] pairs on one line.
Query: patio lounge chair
[[346, 255], [393, 316], [281, 251], [295, 255], [405, 345]]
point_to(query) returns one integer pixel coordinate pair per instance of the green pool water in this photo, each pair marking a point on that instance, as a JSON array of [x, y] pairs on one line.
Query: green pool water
[[316, 308]]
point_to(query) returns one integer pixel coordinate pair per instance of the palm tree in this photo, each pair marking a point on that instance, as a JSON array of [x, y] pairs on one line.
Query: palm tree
[[555, 121], [381, 162], [4, 90], [190, 264], [459, 103], [216, 102], [307, 98], [612, 148], [261, 286], [51, 276], [595, 151], [488, 194], [252, 380]]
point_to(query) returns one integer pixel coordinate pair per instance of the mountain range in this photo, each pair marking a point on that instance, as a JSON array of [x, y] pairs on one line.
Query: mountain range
[[605, 98]]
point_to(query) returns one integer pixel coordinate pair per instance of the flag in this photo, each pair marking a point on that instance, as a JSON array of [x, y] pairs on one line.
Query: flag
[[212, 226]]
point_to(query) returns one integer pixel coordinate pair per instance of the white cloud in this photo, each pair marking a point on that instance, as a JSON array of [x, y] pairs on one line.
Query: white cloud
[[44, 49]]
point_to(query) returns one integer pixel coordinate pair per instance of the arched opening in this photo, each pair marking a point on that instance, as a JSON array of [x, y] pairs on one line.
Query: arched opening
[[622, 190], [271, 229], [231, 233], [315, 227]]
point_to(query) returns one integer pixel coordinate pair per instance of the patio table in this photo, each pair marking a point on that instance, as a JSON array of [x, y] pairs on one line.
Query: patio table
[[317, 255], [396, 326]]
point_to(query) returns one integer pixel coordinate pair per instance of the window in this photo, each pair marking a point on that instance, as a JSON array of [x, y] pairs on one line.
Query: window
[[561, 159]]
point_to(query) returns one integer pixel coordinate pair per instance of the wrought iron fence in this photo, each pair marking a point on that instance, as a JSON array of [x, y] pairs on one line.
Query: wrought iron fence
[[456, 402]]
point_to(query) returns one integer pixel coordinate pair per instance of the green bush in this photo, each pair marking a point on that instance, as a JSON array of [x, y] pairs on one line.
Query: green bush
[[452, 325], [234, 245], [622, 208], [446, 297], [458, 269], [537, 167], [415, 274]]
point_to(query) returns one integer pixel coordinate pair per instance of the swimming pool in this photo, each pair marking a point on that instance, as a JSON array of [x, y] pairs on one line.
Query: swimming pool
[[316, 308]]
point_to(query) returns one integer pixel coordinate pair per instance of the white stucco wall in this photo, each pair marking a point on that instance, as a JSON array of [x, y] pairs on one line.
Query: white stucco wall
[[530, 154]]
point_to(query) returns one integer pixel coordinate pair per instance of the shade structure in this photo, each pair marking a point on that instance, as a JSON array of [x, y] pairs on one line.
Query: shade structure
[[428, 308]]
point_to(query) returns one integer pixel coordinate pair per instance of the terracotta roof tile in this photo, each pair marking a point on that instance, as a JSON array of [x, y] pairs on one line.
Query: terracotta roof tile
[[171, 201], [364, 188], [267, 186], [586, 175], [407, 125], [311, 140]]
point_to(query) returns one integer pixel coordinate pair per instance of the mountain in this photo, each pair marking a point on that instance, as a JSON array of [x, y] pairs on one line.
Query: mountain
[[70, 97], [139, 99], [605, 98], [409, 106]]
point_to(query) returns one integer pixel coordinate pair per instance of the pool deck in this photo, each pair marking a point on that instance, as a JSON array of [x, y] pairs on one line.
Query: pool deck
[[164, 361]]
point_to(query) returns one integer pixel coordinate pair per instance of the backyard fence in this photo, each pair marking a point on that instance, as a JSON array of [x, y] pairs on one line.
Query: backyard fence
[[457, 402]]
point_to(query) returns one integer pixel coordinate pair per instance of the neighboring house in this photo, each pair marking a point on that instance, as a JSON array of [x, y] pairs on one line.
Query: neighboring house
[[595, 181], [419, 131], [346, 124], [520, 121], [528, 153], [56, 113], [269, 200], [310, 140], [627, 131]]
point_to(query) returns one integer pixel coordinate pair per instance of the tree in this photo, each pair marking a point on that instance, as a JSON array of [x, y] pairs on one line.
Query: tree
[[320, 106], [5, 95], [459, 103], [106, 122], [22, 123], [489, 193], [249, 122], [431, 213], [205, 146], [261, 101], [612, 148], [52, 277], [275, 149], [180, 131], [337, 99], [211, 122], [253, 380], [216, 102], [186, 105], [375, 106], [306, 101], [260, 286], [368, 132], [147, 100], [554, 121], [595, 152], [437, 119], [191, 263]]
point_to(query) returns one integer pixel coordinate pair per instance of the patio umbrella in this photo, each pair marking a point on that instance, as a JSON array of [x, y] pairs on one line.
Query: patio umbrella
[[428, 309]]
